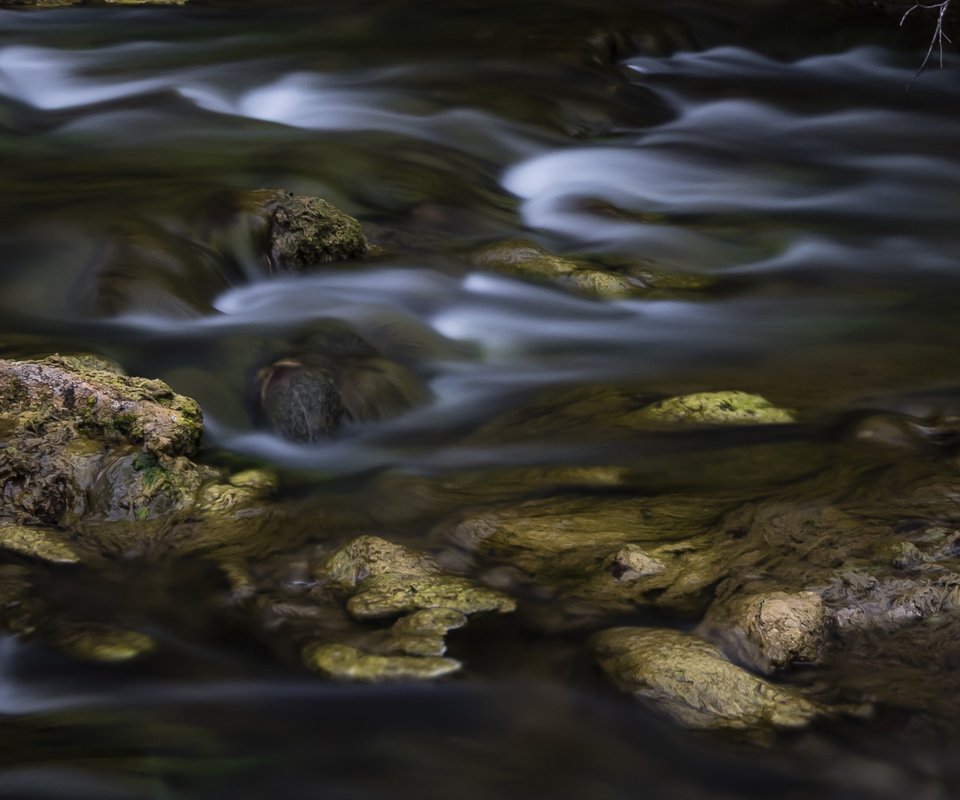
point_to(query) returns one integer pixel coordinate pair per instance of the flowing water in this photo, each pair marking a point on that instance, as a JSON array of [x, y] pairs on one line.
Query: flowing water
[[768, 150]]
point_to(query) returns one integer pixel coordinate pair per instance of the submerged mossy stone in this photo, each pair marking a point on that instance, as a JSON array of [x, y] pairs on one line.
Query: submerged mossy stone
[[421, 633], [371, 557], [386, 579], [40, 543], [348, 663], [691, 682], [523, 259], [102, 643], [716, 408], [387, 595], [769, 630], [303, 232], [328, 378], [602, 554]]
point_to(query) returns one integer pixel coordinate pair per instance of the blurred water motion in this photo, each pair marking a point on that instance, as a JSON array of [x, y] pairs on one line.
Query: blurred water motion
[[784, 172]]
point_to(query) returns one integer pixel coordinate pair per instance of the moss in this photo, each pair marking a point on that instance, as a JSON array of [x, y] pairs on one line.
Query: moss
[[421, 633], [304, 232], [716, 408], [348, 663], [40, 543], [387, 595], [371, 556], [690, 681], [103, 643], [95, 397], [522, 259]]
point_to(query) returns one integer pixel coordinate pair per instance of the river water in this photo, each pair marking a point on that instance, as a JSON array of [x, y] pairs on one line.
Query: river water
[[770, 151]]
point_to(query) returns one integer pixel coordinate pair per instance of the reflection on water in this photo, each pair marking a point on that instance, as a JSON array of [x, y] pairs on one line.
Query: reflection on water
[[786, 170]]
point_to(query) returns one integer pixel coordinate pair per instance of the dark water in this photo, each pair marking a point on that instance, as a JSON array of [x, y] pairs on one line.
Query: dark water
[[769, 149]]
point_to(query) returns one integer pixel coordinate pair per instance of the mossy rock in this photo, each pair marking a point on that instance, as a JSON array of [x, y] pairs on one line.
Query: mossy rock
[[348, 663], [43, 544], [519, 258], [388, 595], [93, 397], [715, 408], [302, 232], [691, 682], [600, 555], [102, 643], [372, 557], [768, 630], [82, 442]]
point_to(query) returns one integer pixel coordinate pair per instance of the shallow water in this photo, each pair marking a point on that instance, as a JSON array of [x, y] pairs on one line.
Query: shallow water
[[771, 151]]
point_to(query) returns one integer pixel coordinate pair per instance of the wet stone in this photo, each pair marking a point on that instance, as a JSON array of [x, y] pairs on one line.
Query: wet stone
[[525, 260], [304, 232], [348, 663], [102, 643], [370, 557], [41, 543], [768, 630], [387, 595], [716, 408], [691, 682]]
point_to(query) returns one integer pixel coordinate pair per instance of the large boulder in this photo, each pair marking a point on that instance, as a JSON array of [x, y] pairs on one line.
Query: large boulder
[[81, 441]]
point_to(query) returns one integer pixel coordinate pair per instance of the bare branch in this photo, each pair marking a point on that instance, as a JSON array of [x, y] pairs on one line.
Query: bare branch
[[938, 37]]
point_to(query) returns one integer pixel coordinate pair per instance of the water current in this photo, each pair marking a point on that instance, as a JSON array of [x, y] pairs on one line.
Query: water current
[[769, 153]]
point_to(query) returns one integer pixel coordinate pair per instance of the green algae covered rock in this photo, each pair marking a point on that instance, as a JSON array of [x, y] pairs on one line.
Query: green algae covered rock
[[348, 663], [92, 396], [372, 557], [388, 595], [43, 544], [80, 441], [522, 259], [102, 643], [301, 232], [715, 408], [421, 633], [691, 682], [386, 579], [598, 555], [378, 579]]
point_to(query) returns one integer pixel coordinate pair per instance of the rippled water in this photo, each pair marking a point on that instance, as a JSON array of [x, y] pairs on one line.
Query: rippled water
[[772, 152]]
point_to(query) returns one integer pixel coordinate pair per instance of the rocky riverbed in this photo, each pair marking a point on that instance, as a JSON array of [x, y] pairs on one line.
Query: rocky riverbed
[[555, 389]]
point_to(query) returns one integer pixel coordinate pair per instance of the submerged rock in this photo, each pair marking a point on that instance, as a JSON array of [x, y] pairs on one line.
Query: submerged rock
[[768, 630], [691, 682], [373, 579], [522, 259], [372, 557], [331, 378], [386, 579], [102, 643], [43, 544], [348, 663], [716, 408], [601, 555], [302, 232]]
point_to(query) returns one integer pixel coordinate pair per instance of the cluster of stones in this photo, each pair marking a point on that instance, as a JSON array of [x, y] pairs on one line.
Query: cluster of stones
[[84, 447]]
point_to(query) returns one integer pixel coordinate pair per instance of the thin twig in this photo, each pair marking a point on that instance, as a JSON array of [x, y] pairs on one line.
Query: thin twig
[[936, 40]]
